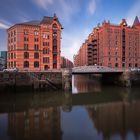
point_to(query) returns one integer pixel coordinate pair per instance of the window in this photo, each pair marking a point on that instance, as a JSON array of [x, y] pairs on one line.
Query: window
[[36, 47], [48, 37], [116, 65], [46, 51], [11, 64], [26, 55], [11, 55], [36, 39], [25, 47], [36, 64], [129, 64], [109, 65], [55, 34], [14, 47], [36, 33], [36, 55], [45, 59], [26, 64], [136, 65], [46, 43], [14, 55], [11, 34], [25, 32], [54, 26], [14, 63], [26, 39], [54, 42], [14, 32]]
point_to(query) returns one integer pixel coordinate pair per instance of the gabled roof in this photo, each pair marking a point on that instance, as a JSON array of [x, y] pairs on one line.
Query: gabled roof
[[33, 22], [45, 20], [49, 20], [136, 21]]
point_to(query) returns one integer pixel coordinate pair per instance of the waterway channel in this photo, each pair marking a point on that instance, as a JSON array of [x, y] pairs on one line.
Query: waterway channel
[[90, 111]]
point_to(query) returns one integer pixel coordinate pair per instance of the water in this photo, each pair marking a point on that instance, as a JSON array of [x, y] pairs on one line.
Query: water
[[91, 112]]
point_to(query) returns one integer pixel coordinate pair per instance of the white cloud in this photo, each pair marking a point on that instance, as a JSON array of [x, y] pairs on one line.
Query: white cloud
[[43, 3], [92, 7], [3, 25], [133, 12], [71, 42], [64, 9]]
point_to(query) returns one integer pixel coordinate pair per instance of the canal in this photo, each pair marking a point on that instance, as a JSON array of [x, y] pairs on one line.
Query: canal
[[90, 111]]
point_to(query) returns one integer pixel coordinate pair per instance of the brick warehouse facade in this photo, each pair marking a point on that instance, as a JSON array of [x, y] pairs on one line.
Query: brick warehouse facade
[[35, 45], [66, 63], [116, 46]]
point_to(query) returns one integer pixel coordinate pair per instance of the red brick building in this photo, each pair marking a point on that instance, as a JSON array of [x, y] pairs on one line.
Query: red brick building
[[66, 63], [111, 45], [35, 45]]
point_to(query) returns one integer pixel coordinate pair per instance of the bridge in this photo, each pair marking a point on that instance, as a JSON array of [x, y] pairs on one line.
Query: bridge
[[95, 70]]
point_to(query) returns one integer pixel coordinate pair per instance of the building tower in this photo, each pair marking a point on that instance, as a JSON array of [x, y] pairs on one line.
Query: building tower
[[35, 45]]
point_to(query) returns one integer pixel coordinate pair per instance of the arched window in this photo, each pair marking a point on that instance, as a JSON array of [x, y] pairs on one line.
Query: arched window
[[36, 64], [54, 25], [26, 55], [54, 42], [26, 64], [36, 55], [55, 34]]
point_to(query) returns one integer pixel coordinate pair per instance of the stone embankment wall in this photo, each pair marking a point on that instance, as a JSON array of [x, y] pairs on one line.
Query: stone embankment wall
[[32, 80]]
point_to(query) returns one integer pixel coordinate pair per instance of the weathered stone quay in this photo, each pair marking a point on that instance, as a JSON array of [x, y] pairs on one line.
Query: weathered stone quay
[[31, 80]]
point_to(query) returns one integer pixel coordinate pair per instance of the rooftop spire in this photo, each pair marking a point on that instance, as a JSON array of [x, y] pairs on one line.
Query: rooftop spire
[[123, 22], [136, 21]]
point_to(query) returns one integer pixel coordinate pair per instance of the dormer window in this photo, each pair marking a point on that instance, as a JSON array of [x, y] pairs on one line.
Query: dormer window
[[25, 32], [54, 26], [36, 33]]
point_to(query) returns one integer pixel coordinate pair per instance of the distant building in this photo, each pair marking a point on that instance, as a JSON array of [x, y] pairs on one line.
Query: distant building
[[3, 59], [3, 54], [66, 63], [116, 46], [35, 45]]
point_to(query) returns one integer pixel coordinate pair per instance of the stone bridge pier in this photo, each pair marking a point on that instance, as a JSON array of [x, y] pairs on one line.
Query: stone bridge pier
[[67, 79], [127, 78]]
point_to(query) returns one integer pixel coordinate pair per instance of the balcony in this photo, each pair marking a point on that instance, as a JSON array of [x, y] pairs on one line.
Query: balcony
[[95, 40], [90, 47], [94, 49], [54, 61], [90, 44]]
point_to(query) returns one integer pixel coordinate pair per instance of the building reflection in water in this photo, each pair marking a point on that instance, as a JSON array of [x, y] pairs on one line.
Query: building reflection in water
[[120, 118], [113, 113], [42, 123], [86, 83]]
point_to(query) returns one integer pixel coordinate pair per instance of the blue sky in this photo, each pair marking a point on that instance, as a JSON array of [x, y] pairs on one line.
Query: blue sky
[[78, 17]]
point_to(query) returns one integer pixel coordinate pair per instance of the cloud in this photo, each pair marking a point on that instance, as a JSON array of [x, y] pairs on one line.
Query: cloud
[[71, 42], [133, 12], [44, 3], [4, 25], [64, 9], [92, 7]]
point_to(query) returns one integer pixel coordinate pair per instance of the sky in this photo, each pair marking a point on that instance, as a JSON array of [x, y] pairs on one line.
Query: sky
[[78, 17]]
